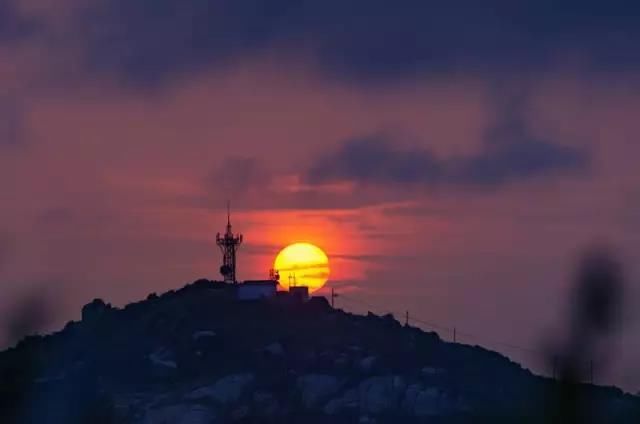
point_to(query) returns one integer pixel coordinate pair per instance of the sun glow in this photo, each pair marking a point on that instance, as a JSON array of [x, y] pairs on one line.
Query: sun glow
[[302, 264]]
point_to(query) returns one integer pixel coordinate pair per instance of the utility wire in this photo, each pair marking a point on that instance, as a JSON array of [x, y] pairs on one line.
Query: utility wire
[[538, 353], [449, 329]]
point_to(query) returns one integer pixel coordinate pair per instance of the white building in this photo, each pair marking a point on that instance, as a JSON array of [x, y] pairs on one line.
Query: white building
[[256, 289]]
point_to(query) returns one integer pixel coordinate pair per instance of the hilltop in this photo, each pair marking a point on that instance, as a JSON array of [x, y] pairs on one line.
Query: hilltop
[[197, 355]]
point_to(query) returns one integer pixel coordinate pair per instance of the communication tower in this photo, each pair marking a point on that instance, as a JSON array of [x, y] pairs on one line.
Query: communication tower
[[229, 244]]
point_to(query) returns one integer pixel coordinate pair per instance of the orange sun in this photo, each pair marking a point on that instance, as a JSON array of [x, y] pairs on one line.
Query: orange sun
[[302, 264]]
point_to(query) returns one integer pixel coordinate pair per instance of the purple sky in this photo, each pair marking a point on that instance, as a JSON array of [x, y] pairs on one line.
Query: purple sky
[[451, 160]]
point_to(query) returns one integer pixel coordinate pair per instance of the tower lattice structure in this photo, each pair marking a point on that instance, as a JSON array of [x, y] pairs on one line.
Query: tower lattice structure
[[229, 244]]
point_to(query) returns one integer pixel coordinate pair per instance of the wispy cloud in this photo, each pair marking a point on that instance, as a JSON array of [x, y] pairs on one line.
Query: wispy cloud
[[509, 153], [305, 267]]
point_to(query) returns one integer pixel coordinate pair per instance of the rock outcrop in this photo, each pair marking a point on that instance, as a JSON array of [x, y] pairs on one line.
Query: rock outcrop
[[315, 388], [95, 310]]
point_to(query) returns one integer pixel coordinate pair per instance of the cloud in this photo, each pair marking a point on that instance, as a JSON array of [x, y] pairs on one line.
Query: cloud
[[11, 122], [509, 153], [320, 266], [238, 176], [5, 245], [146, 41], [376, 160], [13, 24], [512, 153], [414, 209], [351, 174], [149, 40], [375, 258]]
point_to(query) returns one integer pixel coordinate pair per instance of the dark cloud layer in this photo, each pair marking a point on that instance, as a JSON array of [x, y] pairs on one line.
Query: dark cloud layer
[[14, 25], [11, 122], [150, 40], [509, 154], [376, 160]]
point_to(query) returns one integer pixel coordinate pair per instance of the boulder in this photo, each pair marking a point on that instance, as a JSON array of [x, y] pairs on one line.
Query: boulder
[[428, 403], [410, 398], [349, 400], [381, 394], [431, 371], [202, 334], [225, 391], [316, 388], [265, 403], [341, 361], [94, 310], [240, 413], [163, 357], [355, 349], [274, 349], [180, 414], [367, 364], [333, 407]]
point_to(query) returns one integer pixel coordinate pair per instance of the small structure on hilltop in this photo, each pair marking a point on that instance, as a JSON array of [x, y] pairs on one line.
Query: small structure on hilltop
[[296, 292], [256, 289], [300, 293], [259, 289]]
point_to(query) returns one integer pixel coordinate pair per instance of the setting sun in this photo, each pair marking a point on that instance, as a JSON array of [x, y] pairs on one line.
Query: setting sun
[[302, 264]]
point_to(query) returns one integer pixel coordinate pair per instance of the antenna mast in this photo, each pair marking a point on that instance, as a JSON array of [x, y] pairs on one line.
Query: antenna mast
[[229, 244]]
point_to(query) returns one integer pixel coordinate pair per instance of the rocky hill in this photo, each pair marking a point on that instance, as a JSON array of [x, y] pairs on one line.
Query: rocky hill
[[197, 355]]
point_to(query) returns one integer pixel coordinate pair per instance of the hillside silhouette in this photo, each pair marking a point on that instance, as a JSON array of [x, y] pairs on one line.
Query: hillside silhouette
[[198, 355]]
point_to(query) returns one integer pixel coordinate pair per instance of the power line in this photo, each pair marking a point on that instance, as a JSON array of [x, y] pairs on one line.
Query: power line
[[413, 318], [450, 329], [538, 353]]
